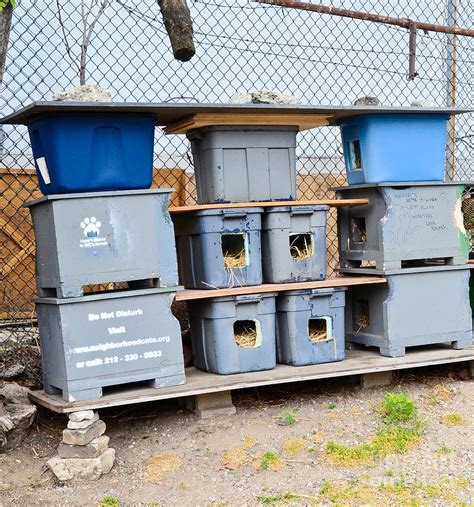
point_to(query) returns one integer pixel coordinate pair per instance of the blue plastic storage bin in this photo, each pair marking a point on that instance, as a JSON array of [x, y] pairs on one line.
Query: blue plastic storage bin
[[88, 152], [382, 148]]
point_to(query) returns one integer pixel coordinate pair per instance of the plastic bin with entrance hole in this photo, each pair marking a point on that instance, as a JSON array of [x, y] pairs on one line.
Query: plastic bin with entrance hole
[[294, 243], [219, 247], [402, 224], [417, 306], [310, 326], [389, 147], [234, 334], [90, 152]]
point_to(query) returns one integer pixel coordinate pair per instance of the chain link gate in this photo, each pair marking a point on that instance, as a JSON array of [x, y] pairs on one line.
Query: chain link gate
[[240, 46]]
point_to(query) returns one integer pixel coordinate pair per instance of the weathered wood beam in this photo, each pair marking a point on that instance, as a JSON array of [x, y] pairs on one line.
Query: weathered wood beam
[[5, 28], [178, 24]]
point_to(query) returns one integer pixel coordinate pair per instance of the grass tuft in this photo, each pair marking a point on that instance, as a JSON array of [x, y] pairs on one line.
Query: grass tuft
[[287, 417], [109, 500], [453, 419], [400, 431], [270, 461]]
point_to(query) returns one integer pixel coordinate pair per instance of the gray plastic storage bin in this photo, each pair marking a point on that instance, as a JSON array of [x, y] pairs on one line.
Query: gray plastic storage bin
[[294, 243], [103, 237], [310, 326], [219, 247], [416, 307], [402, 222], [91, 342], [233, 334], [244, 164]]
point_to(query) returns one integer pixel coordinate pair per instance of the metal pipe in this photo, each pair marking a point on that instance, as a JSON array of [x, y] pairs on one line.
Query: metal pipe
[[367, 16], [451, 84]]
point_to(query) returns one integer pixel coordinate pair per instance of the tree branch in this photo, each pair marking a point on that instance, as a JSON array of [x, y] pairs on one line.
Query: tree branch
[[66, 44], [86, 36]]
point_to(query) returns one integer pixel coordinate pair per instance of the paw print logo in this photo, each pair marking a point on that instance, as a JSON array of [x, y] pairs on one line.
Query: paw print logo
[[91, 227]]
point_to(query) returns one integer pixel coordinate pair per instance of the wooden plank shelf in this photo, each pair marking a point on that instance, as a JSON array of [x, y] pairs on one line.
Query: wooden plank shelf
[[357, 362], [347, 281], [336, 203], [254, 119]]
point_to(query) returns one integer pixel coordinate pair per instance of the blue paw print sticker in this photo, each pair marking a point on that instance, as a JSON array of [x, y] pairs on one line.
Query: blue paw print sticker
[[91, 227]]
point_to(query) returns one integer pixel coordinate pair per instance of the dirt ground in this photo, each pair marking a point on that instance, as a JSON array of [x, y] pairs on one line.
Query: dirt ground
[[274, 451]]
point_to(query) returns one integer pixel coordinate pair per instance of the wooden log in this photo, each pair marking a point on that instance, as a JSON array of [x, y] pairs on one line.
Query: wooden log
[[5, 27], [178, 24]]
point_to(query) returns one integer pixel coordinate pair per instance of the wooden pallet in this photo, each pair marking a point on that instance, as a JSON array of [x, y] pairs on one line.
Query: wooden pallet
[[357, 362]]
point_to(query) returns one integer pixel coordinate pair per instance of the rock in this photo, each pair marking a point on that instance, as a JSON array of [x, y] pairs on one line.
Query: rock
[[17, 415], [84, 436], [79, 425], [92, 450], [81, 415], [107, 460], [423, 103], [263, 97], [367, 101], [12, 371], [13, 393], [76, 468], [20, 419], [84, 93]]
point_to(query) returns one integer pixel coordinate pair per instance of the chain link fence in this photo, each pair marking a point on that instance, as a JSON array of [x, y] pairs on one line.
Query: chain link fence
[[241, 46]]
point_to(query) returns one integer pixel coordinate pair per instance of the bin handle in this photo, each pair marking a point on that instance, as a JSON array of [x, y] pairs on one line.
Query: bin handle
[[240, 300], [301, 211], [230, 213]]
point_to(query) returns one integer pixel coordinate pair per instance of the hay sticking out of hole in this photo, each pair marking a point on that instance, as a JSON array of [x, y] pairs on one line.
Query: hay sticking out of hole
[[363, 319], [317, 330], [245, 333], [301, 247], [234, 260]]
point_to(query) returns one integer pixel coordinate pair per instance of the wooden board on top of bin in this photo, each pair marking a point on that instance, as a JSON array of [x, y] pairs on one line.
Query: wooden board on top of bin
[[336, 203]]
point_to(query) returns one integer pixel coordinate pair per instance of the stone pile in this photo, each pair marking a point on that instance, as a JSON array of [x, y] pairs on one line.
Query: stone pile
[[84, 452]]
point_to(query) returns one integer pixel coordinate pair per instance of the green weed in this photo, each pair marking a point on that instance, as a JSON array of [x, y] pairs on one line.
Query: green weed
[[109, 500], [397, 408], [287, 418]]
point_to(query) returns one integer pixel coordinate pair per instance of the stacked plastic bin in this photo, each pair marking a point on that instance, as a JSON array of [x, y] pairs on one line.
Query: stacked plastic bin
[[92, 239], [242, 246], [411, 232]]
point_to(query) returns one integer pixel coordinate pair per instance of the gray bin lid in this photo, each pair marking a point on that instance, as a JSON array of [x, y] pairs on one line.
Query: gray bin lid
[[305, 208], [404, 184], [112, 193], [244, 297], [120, 294]]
